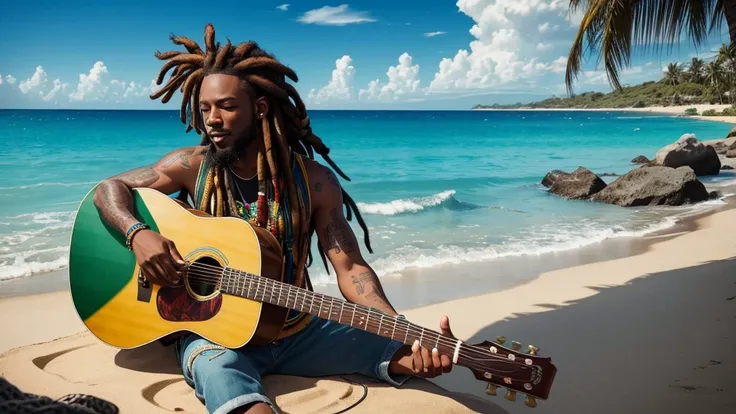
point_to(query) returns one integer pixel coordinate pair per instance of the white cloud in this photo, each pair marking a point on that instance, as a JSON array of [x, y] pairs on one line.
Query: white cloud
[[433, 34], [92, 86], [559, 65], [403, 80], [1, 79], [36, 83], [340, 86], [58, 89], [547, 27], [283, 7], [335, 16], [501, 50]]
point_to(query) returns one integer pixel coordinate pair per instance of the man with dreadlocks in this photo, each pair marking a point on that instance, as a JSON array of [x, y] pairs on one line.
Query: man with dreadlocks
[[256, 162]]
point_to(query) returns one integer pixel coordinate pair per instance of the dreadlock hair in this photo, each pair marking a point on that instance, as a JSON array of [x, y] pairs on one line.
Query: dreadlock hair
[[287, 117]]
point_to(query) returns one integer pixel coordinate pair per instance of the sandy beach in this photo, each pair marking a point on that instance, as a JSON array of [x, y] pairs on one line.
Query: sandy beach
[[669, 110], [649, 332]]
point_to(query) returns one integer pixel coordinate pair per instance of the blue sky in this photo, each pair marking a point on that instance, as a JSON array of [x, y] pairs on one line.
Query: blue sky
[[360, 55]]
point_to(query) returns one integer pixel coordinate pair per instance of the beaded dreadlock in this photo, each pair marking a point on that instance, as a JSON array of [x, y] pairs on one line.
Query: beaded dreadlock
[[289, 120]]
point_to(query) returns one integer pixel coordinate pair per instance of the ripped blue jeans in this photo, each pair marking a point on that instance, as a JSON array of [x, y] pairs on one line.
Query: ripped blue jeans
[[225, 379]]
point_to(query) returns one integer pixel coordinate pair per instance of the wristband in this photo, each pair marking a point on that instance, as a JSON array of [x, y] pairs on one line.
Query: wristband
[[131, 232]]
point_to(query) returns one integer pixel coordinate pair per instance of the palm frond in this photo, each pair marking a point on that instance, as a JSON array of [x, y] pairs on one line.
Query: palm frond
[[614, 25]]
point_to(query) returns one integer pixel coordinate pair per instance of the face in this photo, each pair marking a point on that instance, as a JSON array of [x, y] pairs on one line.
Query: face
[[229, 114]]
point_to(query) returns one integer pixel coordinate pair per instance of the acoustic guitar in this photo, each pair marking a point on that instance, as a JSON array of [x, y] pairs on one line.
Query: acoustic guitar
[[232, 294]]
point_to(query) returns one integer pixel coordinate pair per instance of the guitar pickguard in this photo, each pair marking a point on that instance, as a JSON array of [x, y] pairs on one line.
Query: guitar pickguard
[[175, 304]]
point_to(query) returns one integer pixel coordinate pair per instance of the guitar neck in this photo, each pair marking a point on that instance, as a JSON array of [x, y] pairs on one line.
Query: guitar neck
[[362, 317]]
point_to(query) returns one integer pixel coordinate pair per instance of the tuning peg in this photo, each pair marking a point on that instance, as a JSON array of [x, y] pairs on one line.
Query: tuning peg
[[491, 390], [501, 339], [515, 345], [533, 350], [530, 401], [510, 395]]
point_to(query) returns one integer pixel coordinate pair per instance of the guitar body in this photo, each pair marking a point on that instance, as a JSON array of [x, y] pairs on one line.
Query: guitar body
[[124, 311]]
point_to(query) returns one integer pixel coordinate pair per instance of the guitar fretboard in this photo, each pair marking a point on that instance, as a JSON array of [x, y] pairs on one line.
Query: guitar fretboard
[[362, 317]]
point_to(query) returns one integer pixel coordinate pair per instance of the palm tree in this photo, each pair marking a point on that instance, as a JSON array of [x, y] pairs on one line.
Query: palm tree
[[673, 75], [695, 71], [714, 75], [727, 56], [611, 26]]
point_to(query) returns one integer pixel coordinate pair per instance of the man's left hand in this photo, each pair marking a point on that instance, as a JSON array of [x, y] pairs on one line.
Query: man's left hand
[[429, 363]]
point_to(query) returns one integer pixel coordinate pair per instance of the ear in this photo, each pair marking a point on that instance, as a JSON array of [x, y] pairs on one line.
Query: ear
[[261, 107]]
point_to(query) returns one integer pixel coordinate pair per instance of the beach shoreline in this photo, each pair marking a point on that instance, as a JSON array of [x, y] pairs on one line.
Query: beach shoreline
[[676, 110], [519, 296], [49, 319]]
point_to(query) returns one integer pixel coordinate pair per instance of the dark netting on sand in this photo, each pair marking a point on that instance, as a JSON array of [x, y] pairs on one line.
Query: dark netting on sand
[[15, 401]]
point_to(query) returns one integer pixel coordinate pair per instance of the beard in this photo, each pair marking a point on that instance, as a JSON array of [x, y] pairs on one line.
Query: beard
[[228, 156]]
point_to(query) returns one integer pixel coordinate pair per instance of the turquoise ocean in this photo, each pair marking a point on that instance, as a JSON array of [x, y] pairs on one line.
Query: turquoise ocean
[[435, 187]]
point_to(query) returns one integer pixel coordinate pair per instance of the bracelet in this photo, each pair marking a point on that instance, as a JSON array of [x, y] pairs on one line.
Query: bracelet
[[131, 232]]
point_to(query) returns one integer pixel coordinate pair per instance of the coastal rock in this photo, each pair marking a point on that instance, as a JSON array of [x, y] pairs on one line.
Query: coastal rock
[[726, 167], [652, 186], [640, 160], [731, 153], [552, 176], [578, 185], [732, 133], [688, 151], [720, 147]]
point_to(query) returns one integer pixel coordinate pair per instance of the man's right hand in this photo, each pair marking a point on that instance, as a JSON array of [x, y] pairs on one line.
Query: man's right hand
[[158, 258]]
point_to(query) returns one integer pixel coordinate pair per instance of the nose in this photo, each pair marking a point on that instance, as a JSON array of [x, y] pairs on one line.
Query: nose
[[213, 118]]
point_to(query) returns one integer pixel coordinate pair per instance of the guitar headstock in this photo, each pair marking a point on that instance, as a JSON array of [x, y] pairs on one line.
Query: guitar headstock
[[512, 369]]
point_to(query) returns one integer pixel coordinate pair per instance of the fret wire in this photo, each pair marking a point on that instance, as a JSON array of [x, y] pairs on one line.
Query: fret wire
[[342, 305], [250, 284], [421, 334], [380, 321], [367, 318], [329, 313], [230, 279], [281, 289], [353, 317], [396, 321]]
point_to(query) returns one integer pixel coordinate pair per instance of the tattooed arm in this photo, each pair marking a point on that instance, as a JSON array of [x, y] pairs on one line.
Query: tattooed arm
[[357, 281], [114, 199]]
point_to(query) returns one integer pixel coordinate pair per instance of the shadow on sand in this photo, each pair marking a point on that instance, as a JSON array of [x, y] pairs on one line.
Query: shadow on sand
[[660, 344]]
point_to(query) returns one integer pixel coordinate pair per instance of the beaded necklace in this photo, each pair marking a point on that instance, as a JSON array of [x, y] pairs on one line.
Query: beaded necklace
[[248, 211]]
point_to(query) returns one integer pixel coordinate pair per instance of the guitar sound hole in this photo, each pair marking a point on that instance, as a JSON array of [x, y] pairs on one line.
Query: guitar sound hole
[[204, 274]]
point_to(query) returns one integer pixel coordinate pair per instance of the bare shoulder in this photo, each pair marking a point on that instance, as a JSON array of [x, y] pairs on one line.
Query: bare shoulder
[[324, 186], [186, 158]]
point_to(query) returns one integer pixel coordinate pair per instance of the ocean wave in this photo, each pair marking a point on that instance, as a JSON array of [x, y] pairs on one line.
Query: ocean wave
[[56, 184], [444, 199], [547, 238], [28, 263]]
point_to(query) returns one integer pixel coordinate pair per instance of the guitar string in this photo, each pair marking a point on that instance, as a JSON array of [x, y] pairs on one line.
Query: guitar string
[[448, 342], [472, 362], [479, 365], [409, 328]]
